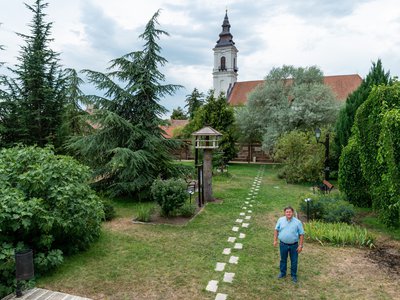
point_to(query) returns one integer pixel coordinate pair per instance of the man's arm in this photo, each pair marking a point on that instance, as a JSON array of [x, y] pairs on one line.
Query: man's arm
[[275, 238], [301, 240]]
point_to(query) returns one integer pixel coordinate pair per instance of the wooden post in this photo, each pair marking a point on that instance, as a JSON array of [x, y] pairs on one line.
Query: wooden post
[[207, 165]]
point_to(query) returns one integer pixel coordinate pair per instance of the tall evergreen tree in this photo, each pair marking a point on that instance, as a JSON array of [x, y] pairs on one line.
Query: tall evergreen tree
[[193, 102], [178, 114], [36, 95], [376, 76], [127, 149]]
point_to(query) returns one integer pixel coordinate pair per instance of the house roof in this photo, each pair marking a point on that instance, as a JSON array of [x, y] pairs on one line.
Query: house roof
[[341, 85], [174, 124]]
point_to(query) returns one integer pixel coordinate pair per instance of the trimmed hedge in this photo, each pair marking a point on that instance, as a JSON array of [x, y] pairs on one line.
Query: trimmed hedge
[[170, 194], [351, 180]]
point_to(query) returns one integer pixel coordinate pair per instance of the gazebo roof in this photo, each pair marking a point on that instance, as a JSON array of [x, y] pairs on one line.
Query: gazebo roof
[[207, 131]]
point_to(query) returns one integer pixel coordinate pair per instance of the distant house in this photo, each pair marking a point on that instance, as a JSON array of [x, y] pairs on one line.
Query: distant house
[[341, 85], [172, 127]]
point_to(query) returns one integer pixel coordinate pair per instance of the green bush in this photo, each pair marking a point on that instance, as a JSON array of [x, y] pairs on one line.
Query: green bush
[[46, 205], [303, 158], [351, 179], [376, 129], [170, 194], [143, 213], [109, 210], [339, 234], [187, 210], [328, 208]]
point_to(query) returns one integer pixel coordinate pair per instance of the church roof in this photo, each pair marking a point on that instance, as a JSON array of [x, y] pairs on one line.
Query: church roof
[[225, 37], [341, 85]]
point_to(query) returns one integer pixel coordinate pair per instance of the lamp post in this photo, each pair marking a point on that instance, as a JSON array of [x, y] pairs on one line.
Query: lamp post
[[307, 200], [206, 139], [326, 144]]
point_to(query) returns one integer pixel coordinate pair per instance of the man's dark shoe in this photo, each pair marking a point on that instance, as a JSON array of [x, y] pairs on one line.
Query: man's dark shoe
[[294, 279], [280, 276]]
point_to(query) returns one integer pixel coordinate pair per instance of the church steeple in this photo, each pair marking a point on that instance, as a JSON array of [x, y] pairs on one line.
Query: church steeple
[[225, 37], [225, 61]]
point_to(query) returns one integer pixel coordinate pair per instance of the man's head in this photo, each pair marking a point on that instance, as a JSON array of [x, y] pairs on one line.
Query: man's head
[[288, 212]]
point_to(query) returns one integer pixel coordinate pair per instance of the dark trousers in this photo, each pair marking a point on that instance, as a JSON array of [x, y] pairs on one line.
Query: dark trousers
[[290, 250]]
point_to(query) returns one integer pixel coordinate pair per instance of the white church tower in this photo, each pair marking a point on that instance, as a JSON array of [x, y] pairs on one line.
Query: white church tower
[[225, 61]]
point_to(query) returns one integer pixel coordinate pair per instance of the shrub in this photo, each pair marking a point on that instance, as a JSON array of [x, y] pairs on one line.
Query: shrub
[[170, 194], [377, 133], [329, 208], [187, 210], [47, 205], [303, 158], [143, 213], [339, 234], [109, 210], [351, 179]]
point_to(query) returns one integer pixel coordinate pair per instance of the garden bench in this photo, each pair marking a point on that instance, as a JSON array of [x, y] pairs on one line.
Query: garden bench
[[326, 187]]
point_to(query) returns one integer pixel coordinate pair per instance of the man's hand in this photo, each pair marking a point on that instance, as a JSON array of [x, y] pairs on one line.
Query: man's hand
[[299, 249], [275, 243]]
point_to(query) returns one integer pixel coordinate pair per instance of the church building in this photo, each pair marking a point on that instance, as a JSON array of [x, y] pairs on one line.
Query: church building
[[225, 73]]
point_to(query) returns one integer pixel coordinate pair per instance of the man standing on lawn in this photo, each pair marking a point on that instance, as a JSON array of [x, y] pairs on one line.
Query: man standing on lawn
[[289, 230]]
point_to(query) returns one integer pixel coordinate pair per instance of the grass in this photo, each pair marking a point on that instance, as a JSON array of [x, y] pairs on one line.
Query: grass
[[370, 220], [135, 261]]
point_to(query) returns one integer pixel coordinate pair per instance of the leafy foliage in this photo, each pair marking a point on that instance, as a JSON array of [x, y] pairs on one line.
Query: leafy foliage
[[178, 114], [127, 150], [376, 132], [345, 121], [291, 98], [351, 179], [303, 158], [193, 102], [338, 234], [219, 115], [328, 208], [35, 98], [46, 205], [170, 194]]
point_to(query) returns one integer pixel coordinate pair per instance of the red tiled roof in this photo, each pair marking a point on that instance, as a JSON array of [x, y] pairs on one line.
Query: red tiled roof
[[169, 129], [341, 85]]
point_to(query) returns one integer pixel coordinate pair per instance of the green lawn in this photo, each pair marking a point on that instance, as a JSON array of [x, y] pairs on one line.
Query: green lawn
[[134, 261]]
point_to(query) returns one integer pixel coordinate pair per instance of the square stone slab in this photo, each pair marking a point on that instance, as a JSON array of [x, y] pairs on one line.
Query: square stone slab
[[248, 217], [242, 214], [220, 266], [242, 236], [228, 277], [245, 225], [226, 251], [234, 260], [212, 286], [221, 296], [235, 228], [231, 239], [238, 246], [249, 211], [239, 220]]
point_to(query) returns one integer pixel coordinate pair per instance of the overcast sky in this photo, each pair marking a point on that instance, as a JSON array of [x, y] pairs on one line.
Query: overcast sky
[[341, 37]]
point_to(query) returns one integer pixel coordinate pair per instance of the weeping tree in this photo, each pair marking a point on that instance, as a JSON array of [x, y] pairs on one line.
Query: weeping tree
[[126, 148], [34, 98], [290, 98]]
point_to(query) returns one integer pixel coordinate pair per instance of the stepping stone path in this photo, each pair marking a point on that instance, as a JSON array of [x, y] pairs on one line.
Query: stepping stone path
[[245, 214]]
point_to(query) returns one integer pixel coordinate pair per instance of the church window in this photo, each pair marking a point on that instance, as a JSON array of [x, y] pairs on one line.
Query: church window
[[223, 65]]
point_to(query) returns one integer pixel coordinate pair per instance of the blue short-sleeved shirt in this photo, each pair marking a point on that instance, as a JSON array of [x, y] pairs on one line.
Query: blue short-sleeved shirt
[[288, 232]]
